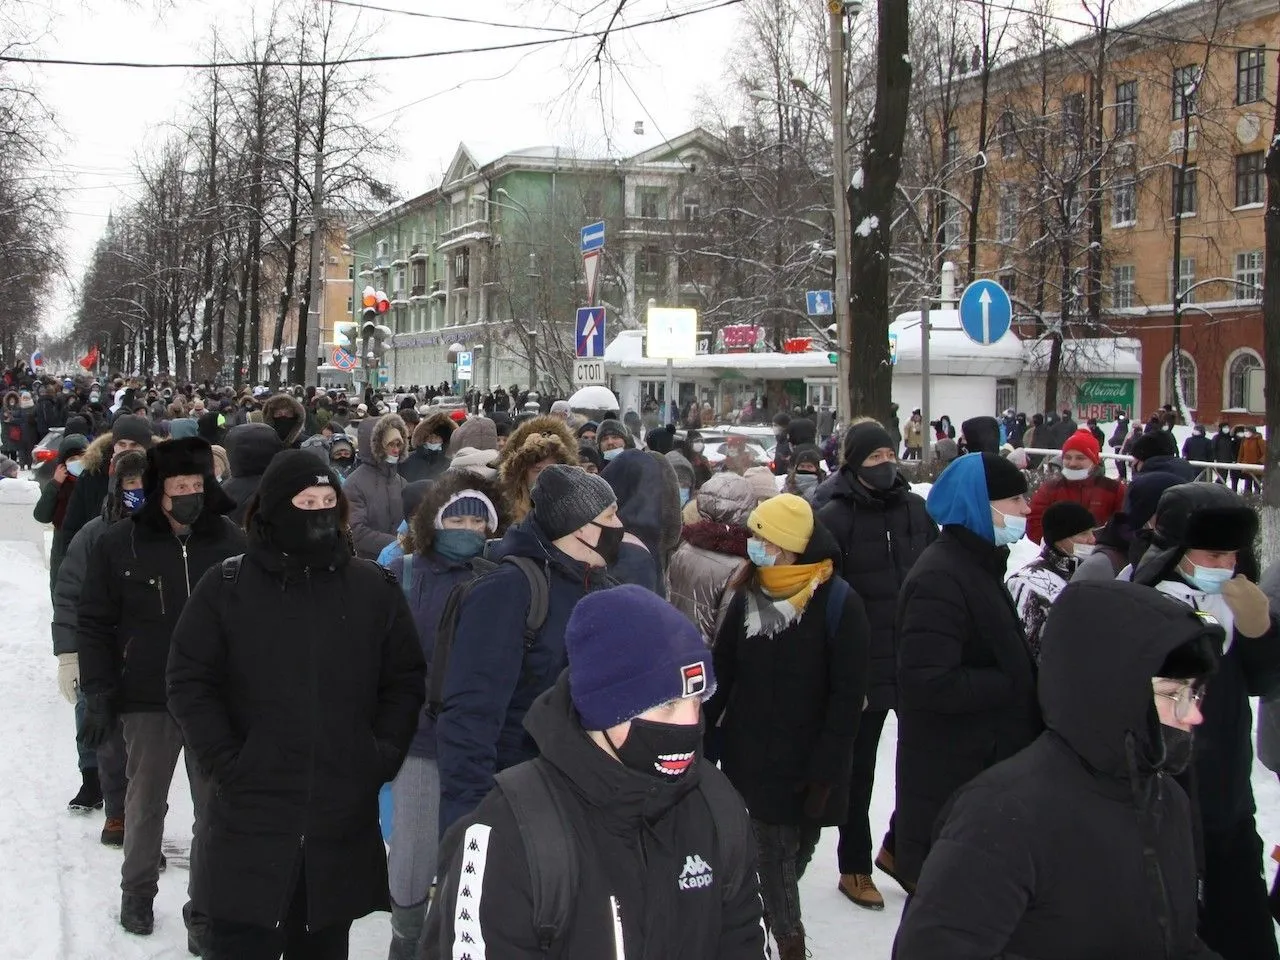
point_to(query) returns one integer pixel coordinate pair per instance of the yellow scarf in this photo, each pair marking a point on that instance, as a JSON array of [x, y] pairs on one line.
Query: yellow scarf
[[796, 584]]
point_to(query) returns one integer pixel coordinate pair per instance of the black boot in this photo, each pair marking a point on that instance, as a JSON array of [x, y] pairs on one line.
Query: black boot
[[197, 929], [90, 795], [406, 931], [136, 915]]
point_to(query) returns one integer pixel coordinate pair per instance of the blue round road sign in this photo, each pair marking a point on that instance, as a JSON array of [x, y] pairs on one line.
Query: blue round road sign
[[985, 311]]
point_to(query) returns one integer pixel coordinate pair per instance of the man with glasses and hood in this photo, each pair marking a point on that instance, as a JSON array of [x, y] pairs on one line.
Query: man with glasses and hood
[[1202, 555], [1082, 845]]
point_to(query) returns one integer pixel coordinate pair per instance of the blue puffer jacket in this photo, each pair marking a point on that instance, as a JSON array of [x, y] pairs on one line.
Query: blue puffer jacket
[[432, 578], [491, 681]]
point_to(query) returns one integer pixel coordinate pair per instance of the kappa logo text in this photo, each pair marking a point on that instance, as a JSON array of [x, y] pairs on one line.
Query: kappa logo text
[[696, 874]]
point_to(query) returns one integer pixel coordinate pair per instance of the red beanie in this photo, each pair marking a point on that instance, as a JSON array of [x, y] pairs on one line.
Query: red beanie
[[1082, 441]]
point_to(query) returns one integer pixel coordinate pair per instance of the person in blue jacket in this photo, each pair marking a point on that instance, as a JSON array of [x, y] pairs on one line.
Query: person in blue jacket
[[447, 533], [494, 673]]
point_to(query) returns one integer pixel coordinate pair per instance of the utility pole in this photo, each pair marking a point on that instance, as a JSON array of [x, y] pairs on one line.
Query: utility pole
[[840, 208], [318, 266]]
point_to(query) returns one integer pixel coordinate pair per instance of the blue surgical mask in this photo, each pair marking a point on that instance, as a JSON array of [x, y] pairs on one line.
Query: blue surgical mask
[[1208, 579], [458, 545], [1014, 529], [75, 467], [612, 454], [434, 447], [684, 496], [758, 554], [133, 500]]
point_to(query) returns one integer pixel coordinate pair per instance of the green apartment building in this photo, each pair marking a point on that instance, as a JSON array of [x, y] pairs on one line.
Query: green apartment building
[[489, 261]]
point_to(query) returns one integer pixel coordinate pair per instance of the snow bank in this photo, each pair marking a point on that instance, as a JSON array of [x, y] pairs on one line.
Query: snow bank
[[19, 491]]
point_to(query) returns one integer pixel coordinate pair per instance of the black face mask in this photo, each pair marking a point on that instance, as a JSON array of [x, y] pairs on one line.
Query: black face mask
[[609, 544], [881, 477], [186, 508], [283, 426], [665, 751], [1177, 749], [310, 535]]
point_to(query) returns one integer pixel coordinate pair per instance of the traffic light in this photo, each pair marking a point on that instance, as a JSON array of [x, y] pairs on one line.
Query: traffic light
[[374, 304], [832, 357], [347, 336]]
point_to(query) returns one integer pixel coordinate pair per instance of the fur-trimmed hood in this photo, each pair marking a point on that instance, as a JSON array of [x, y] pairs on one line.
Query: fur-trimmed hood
[[540, 438], [372, 435], [724, 538], [286, 403], [97, 456], [423, 527], [437, 423]]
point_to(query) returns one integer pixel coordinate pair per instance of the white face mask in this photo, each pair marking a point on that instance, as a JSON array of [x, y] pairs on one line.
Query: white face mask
[[1082, 550], [1075, 473]]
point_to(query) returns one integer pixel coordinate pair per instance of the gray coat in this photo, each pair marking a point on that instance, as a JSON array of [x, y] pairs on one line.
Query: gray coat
[[66, 589], [712, 553], [375, 489], [1269, 708]]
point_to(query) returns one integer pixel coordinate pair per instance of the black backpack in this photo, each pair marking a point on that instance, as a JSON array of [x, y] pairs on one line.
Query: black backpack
[[552, 850], [539, 601]]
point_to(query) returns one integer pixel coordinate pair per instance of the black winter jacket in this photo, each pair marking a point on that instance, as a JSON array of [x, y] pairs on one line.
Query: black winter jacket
[[880, 536], [300, 710], [1224, 447], [636, 839], [139, 578], [789, 704], [966, 682], [1197, 448], [250, 448], [424, 464], [1077, 846]]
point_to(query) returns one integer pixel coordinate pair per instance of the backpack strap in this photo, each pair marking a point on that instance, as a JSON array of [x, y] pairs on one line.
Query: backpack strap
[[406, 577], [550, 845], [231, 567], [728, 815], [836, 597], [539, 597]]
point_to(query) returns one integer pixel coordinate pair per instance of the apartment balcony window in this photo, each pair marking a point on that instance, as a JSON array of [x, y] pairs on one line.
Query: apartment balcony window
[[1073, 114], [950, 145], [1184, 191], [949, 224], [1126, 112], [1007, 134], [1186, 280], [419, 274], [692, 209], [1251, 70], [1186, 86], [1124, 286], [1124, 203], [1007, 216], [1250, 178], [1248, 275], [651, 203]]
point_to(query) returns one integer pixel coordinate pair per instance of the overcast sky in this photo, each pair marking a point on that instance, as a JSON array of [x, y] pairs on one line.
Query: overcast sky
[[503, 100]]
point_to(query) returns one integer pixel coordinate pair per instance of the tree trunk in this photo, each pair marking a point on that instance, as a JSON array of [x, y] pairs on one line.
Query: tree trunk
[[242, 303], [870, 215]]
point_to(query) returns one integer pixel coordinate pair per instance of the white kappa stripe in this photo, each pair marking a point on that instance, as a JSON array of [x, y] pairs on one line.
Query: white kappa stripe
[[468, 937]]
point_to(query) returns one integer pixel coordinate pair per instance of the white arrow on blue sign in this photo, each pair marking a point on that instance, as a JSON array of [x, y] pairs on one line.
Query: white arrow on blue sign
[[593, 236], [985, 311], [588, 340], [820, 303]]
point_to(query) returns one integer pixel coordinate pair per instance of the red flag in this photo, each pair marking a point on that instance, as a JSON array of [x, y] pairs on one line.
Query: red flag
[[90, 361]]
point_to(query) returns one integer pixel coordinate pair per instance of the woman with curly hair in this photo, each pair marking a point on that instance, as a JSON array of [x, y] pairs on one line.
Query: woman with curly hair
[[533, 446]]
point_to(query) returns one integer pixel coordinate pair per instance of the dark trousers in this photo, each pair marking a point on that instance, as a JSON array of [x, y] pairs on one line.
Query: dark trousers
[[1236, 918], [112, 760], [783, 851], [227, 940], [854, 852]]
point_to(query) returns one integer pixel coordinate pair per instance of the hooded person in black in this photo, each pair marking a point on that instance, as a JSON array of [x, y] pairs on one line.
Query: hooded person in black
[[284, 414], [800, 432], [1081, 844], [250, 448]]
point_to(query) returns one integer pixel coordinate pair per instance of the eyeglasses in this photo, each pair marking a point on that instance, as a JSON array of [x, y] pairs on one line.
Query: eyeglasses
[[1188, 695]]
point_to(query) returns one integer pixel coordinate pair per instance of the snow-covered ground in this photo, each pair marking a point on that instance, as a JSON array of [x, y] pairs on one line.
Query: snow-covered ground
[[59, 887]]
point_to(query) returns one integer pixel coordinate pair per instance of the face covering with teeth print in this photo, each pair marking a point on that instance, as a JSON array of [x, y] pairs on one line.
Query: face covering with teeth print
[[665, 751]]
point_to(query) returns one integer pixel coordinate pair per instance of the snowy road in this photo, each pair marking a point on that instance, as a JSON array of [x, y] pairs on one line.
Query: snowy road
[[59, 887]]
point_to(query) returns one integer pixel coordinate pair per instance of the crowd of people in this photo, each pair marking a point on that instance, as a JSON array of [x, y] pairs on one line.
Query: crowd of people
[[616, 691]]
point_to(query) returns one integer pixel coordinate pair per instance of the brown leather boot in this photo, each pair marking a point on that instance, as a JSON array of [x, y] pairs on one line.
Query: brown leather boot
[[861, 889], [885, 861], [792, 947]]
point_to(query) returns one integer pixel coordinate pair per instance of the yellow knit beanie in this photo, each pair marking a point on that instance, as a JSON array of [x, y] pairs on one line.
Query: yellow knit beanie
[[785, 520]]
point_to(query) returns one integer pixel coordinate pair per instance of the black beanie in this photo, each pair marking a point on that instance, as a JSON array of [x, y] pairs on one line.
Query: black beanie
[[288, 474], [1066, 519], [1159, 443], [567, 498], [129, 427], [862, 440], [1004, 480]]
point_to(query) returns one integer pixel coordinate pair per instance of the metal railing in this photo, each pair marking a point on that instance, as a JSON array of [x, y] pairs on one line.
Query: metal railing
[[1208, 469]]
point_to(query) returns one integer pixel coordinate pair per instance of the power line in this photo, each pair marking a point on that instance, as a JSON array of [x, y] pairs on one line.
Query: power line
[[450, 19], [372, 58]]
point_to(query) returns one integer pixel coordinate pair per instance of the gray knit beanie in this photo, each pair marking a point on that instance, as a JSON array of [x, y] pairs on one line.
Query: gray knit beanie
[[567, 498]]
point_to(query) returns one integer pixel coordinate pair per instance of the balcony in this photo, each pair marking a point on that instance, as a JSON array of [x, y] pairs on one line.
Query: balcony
[[419, 251], [639, 227], [418, 290], [401, 259], [382, 262], [366, 271], [399, 298], [472, 232]]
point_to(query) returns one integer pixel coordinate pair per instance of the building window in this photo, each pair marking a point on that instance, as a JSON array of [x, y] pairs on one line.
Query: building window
[[1187, 366], [1184, 191], [692, 208], [1124, 286], [1007, 215], [649, 266], [1186, 81], [351, 272], [1073, 113], [1250, 178], [419, 278], [1009, 280], [1126, 107], [651, 203], [1124, 203], [1186, 278], [351, 304], [1006, 396], [593, 204], [1248, 275], [950, 145], [458, 213], [1250, 73], [1242, 370], [948, 224], [1007, 134]]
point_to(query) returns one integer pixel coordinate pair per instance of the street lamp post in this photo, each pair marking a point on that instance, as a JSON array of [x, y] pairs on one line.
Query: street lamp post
[[840, 185]]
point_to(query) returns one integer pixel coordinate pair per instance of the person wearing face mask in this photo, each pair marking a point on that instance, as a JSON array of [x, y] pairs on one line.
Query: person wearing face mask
[[806, 472], [1082, 481], [428, 459], [55, 497], [102, 770], [1068, 539], [447, 538], [792, 658], [127, 433], [495, 670], [713, 552], [612, 437], [966, 680], [1201, 553], [375, 488], [534, 445], [686, 478], [882, 528], [139, 578], [1252, 449], [1081, 845], [287, 417], [299, 711], [652, 848], [1198, 446], [693, 448], [251, 446], [1224, 450]]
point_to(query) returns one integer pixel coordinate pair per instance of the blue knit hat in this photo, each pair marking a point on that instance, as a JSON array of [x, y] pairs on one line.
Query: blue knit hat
[[468, 503], [629, 651]]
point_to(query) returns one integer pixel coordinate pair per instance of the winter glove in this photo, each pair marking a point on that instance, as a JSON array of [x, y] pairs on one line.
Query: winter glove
[[815, 800], [69, 675], [1249, 605], [99, 720]]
